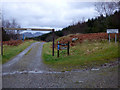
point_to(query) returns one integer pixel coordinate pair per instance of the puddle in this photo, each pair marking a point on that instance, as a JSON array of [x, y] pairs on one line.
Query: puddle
[[78, 82], [44, 72], [95, 69], [28, 72], [36, 72]]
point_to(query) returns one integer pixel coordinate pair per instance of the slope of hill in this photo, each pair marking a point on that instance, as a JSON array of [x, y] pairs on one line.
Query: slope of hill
[[99, 24], [89, 50], [81, 37]]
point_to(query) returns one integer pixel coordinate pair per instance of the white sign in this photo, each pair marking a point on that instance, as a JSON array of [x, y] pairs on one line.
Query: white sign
[[112, 31]]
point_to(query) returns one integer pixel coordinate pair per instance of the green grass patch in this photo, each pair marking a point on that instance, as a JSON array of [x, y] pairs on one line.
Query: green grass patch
[[28, 52], [0, 56], [10, 51], [0, 59], [87, 54]]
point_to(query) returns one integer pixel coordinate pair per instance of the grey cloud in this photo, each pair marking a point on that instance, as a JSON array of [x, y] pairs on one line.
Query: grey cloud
[[47, 13], [80, 5]]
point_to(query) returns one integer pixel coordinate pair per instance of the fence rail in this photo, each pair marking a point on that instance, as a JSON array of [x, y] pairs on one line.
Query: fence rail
[[33, 29]]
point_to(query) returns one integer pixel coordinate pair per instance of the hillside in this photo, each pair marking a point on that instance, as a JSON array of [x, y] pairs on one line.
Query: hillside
[[30, 35], [89, 50], [99, 24], [81, 37]]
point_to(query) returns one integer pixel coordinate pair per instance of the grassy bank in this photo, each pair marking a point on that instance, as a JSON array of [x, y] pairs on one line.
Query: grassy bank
[[0, 56], [86, 54], [0, 59], [11, 51]]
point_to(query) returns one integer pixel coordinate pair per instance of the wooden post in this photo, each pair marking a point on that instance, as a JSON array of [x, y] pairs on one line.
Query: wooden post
[[1, 36], [109, 37], [58, 47], [115, 37], [68, 48], [23, 37], [53, 42], [119, 36]]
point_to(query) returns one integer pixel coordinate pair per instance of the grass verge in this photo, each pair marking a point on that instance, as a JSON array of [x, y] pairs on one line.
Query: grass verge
[[10, 51], [0, 56], [86, 54], [28, 51]]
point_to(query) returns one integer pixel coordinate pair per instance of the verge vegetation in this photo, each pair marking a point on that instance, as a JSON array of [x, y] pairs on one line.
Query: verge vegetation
[[10, 51], [82, 55], [0, 56]]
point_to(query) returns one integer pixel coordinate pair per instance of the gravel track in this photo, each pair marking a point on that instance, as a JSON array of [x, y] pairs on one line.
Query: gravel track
[[29, 71]]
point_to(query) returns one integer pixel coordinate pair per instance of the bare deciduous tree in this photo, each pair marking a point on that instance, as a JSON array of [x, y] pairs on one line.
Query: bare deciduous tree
[[106, 8], [14, 34]]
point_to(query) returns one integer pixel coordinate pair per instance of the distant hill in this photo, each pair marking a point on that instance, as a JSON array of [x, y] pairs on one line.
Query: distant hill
[[30, 35]]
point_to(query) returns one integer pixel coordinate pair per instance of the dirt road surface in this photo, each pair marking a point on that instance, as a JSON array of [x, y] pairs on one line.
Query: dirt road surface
[[28, 71]]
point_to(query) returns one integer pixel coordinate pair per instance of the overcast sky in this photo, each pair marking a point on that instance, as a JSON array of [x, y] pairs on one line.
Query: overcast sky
[[48, 13]]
